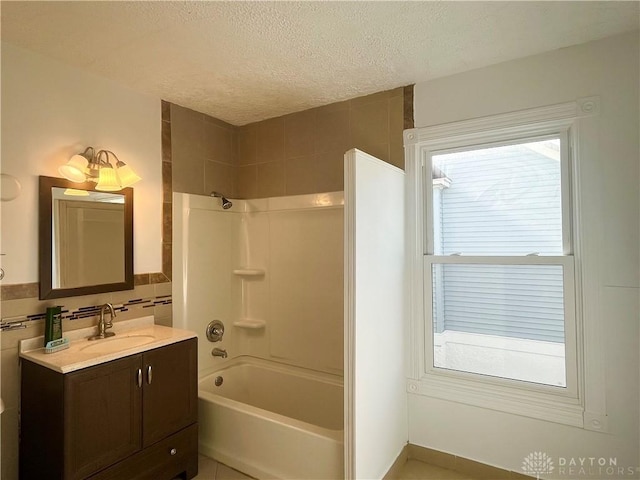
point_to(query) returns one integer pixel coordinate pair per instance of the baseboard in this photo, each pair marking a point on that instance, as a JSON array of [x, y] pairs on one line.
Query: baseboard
[[395, 469], [451, 462]]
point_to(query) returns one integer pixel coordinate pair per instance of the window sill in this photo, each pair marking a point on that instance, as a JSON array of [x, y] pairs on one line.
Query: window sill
[[539, 405]]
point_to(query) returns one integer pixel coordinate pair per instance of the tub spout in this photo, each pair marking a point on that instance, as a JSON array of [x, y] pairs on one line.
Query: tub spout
[[219, 352]]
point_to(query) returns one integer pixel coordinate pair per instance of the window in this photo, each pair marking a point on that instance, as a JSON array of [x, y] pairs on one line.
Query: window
[[494, 312], [502, 313]]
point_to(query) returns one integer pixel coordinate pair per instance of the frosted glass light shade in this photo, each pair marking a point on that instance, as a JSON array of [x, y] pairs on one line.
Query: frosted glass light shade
[[126, 175], [74, 169], [72, 192], [108, 181]]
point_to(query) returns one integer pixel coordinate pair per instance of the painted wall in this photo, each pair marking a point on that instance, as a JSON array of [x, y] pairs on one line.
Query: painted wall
[[609, 171], [51, 111]]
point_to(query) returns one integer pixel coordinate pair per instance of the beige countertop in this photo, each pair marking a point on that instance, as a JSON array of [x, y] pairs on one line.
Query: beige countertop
[[77, 357]]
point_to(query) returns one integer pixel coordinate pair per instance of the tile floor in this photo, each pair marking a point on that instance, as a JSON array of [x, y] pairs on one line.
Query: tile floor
[[209, 469]]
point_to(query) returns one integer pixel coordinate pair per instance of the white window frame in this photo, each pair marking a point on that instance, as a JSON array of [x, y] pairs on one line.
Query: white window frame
[[551, 403]]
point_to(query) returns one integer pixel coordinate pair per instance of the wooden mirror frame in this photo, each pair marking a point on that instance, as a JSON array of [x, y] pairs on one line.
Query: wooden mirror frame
[[45, 241]]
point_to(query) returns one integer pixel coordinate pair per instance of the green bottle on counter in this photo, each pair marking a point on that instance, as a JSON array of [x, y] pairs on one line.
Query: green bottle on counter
[[53, 324]]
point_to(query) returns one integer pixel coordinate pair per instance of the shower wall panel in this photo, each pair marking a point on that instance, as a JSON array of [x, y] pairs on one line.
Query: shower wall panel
[[306, 290], [206, 250], [270, 269]]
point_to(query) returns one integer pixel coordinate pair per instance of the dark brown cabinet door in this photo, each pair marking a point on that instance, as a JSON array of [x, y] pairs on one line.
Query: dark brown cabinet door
[[102, 412], [170, 396]]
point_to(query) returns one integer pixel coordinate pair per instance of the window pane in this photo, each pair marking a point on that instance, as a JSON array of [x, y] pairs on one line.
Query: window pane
[[498, 201], [500, 320]]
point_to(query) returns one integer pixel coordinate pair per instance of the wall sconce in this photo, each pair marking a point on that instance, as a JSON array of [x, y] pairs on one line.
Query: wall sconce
[[92, 166]]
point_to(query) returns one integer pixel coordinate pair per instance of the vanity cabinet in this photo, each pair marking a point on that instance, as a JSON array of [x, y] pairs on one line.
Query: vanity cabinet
[[130, 418]]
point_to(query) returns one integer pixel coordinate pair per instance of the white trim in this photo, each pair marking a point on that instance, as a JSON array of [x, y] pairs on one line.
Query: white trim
[[349, 314], [503, 384], [565, 406]]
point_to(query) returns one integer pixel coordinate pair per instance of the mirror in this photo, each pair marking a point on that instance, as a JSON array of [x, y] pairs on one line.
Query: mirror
[[86, 239]]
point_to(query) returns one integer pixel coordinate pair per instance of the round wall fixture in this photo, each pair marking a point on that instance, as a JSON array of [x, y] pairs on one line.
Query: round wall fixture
[[9, 187], [215, 331]]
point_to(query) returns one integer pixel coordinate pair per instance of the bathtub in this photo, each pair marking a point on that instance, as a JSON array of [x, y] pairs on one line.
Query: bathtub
[[271, 420]]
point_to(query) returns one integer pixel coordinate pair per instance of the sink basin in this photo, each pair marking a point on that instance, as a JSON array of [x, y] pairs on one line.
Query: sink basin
[[115, 344]]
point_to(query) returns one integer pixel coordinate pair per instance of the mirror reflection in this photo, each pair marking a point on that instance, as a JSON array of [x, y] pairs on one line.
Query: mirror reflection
[[86, 239]]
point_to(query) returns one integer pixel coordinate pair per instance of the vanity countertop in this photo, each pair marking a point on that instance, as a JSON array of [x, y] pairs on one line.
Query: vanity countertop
[[83, 353]]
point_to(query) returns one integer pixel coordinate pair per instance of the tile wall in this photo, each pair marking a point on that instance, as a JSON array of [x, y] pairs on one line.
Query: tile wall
[[303, 152], [294, 154]]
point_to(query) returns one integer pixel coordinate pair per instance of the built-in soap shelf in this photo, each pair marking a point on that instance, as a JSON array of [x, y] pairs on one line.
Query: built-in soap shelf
[[251, 324], [249, 272]]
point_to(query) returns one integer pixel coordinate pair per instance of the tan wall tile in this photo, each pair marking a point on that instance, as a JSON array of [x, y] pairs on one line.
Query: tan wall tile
[[300, 134], [167, 224], [330, 171], [247, 145], [370, 123], [167, 182], [396, 154], [374, 97], [408, 107], [163, 315], [270, 140], [24, 306], [163, 289], [332, 107], [166, 261], [20, 290], [187, 130], [378, 150], [396, 92], [396, 119], [300, 176], [333, 130], [218, 143], [166, 141], [10, 376], [270, 180], [11, 338], [141, 279], [247, 181], [219, 177], [187, 170]]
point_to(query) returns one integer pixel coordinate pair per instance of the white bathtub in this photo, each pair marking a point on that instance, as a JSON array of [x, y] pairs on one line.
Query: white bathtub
[[270, 420]]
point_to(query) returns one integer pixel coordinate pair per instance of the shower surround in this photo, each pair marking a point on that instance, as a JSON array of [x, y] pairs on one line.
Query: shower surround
[[272, 271]]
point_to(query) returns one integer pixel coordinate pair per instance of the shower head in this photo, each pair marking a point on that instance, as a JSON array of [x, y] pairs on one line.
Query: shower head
[[226, 204]]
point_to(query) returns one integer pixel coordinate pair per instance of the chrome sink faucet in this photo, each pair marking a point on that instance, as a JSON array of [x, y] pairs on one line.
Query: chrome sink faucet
[[102, 325]]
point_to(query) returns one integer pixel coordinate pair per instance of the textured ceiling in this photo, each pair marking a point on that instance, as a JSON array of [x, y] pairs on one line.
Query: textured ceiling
[[247, 61]]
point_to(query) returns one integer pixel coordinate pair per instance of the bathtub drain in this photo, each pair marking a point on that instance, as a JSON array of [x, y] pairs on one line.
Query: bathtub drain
[[218, 381]]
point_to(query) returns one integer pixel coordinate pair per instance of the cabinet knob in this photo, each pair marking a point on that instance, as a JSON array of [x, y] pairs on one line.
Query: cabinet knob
[[173, 451]]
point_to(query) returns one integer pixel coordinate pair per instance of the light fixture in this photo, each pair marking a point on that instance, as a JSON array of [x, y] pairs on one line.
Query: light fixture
[[72, 192], [92, 166]]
